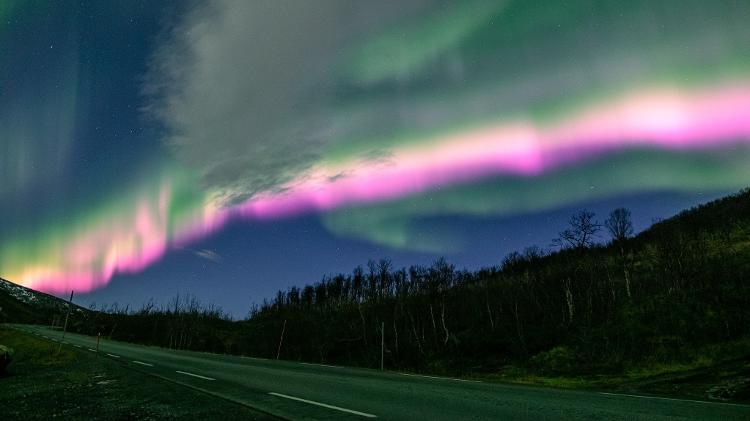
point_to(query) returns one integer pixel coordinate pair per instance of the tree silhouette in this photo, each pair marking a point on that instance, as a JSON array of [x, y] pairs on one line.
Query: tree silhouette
[[581, 231], [619, 224]]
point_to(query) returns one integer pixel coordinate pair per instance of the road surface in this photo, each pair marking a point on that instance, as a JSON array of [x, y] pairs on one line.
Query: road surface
[[300, 391]]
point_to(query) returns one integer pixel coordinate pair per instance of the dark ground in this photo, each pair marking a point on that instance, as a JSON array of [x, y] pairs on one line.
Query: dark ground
[[729, 381], [42, 384], [726, 380]]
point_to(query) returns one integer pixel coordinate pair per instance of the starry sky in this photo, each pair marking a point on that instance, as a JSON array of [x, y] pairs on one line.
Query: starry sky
[[228, 149]]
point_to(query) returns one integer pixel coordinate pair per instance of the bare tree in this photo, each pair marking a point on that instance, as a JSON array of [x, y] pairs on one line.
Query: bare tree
[[620, 227], [581, 231], [619, 224]]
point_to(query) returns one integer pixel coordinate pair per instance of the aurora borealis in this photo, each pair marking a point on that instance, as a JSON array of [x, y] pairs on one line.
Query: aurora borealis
[[373, 118]]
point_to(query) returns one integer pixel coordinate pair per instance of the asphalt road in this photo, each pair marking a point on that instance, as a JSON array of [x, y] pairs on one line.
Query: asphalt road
[[300, 391]]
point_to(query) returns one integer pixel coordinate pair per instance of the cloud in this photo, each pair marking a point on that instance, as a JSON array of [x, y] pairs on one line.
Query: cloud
[[209, 255], [256, 96], [243, 87]]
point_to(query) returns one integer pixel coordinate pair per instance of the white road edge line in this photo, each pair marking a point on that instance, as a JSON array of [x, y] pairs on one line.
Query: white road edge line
[[142, 363], [194, 375], [320, 365], [673, 399], [113, 355], [253, 358], [350, 411], [440, 378]]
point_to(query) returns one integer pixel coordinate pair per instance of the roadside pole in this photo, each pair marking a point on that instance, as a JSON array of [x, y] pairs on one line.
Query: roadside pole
[[382, 344], [65, 326], [281, 340], [98, 336]]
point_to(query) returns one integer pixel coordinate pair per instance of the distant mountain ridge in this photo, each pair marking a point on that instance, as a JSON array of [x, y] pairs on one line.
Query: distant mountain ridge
[[25, 305]]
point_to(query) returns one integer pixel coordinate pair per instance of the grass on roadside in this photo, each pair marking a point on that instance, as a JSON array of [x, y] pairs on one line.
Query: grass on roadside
[[716, 372], [44, 384]]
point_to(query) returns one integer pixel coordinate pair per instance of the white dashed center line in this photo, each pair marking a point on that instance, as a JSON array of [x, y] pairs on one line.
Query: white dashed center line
[[324, 405], [142, 363], [194, 375], [92, 350], [114, 356]]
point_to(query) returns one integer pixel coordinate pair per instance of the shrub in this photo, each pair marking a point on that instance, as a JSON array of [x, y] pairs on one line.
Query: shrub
[[6, 356], [557, 360]]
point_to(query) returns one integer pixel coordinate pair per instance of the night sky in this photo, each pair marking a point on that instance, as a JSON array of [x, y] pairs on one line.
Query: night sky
[[228, 149]]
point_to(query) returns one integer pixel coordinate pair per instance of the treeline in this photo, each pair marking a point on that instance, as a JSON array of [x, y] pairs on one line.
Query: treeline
[[584, 307], [183, 323]]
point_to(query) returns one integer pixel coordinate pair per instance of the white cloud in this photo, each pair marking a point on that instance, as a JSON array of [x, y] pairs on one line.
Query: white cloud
[[209, 255], [242, 87]]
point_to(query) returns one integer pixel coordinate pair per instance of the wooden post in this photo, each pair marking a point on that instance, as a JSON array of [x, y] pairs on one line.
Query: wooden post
[[65, 326], [281, 340]]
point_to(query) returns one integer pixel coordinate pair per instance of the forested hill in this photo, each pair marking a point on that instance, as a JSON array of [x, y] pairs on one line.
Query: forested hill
[[665, 295], [675, 293]]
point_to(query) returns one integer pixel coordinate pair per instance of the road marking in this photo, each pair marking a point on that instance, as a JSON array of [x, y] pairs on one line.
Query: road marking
[[324, 405], [114, 356], [440, 378], [673, 399], [321, 365], [77, 346], [194, 375], [142, 363], [253, 358], [92, 350]]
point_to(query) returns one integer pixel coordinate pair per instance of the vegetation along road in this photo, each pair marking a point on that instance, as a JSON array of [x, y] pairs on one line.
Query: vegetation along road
[[308, 391]]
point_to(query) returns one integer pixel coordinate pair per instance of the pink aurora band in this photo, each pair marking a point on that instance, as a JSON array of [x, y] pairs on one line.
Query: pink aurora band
[[668, 119]]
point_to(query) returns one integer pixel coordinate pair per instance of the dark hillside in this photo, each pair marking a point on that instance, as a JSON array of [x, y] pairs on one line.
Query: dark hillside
[[661, 297], [24, 305]]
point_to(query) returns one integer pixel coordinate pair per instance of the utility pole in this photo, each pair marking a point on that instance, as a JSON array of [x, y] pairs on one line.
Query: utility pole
[[382, 344], [65, 326], [281, 340]]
